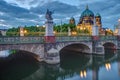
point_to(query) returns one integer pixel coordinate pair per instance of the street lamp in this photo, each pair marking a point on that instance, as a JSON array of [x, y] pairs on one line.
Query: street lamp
[[38, 28], [61, 28], [22, 31], [43, 25]]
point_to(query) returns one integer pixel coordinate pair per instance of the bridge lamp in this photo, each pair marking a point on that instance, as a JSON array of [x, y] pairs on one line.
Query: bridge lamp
[[81, 28], [74, 33], [43, 26], [37, 25], [25, 31], [38, 28], [54, 32], [21, 31]]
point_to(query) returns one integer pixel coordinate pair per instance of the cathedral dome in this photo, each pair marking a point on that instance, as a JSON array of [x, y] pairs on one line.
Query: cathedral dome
[[87, 12], [97, 15], [72, 18]]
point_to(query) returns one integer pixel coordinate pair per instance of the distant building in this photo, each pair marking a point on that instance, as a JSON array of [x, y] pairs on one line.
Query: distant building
[[88, 19], [3, 32], [72, 21]]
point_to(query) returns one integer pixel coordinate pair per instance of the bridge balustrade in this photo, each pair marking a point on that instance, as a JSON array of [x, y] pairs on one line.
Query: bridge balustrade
[[73, 38], [17, 40], [104, 38], [20, 40]]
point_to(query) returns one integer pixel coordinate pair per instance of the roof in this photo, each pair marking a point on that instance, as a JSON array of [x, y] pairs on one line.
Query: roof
[[97, 15], [87, 12]]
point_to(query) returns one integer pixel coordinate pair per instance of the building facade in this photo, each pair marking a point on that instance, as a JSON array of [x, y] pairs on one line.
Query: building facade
[[88, 20]]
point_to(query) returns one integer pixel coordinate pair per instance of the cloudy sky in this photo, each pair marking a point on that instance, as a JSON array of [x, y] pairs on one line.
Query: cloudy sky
[[14, 13]]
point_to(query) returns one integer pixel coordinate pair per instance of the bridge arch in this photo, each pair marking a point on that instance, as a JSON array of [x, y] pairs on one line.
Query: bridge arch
[[15, 53], [73, 49], [37, 49], [78, 47], [110, 45]]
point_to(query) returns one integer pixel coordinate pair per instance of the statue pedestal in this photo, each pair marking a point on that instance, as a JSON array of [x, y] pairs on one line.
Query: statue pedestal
[[49, 35], [49, 39], [95, 38]]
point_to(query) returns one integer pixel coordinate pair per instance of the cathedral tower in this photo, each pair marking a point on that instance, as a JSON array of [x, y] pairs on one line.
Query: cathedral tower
[[98, 21], [88, 20], [72, 21]]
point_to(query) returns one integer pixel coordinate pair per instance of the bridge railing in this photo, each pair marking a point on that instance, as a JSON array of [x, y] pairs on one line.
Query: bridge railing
[[108, 38], [17, 40], [73, 38]]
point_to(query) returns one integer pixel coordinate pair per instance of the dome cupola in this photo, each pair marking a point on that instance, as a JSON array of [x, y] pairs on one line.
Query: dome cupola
[[87, 13]]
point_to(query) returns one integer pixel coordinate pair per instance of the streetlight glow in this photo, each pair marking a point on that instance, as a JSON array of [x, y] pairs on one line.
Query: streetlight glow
[[118, 20]]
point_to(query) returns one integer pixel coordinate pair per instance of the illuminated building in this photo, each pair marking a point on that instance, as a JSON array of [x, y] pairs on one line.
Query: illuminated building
[[72, 21], [87, 20]]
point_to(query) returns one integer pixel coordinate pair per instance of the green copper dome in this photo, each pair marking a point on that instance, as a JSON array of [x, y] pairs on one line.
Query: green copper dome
[[72, 18], [97, 15], [87, 12]]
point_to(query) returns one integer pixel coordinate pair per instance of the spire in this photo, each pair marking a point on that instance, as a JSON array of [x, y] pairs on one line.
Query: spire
[[87, 7]]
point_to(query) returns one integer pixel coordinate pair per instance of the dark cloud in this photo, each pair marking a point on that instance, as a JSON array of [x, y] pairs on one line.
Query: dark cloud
[[61, 10], [15, 15], [5, 7], [109, 10], [58, 7]]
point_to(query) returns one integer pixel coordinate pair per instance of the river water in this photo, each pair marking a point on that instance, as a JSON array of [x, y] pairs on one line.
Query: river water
[[73, 66]]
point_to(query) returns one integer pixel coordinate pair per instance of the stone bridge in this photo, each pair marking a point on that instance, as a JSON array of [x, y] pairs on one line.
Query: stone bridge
[[49, 52]]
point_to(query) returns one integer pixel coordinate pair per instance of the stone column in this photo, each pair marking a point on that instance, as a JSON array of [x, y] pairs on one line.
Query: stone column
[[118, 34], [21, 31], [69, 31], [49, 35], [95, 32], [97, 48], [118, 28]]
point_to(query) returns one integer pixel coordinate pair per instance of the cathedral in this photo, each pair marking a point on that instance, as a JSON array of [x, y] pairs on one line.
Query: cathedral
[[87, 20]]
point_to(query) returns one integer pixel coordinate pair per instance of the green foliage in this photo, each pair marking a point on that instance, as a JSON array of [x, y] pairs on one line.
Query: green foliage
[[39, 31], [12, 51], [30, 31], [64, 27], [13, 32], [0, 33]]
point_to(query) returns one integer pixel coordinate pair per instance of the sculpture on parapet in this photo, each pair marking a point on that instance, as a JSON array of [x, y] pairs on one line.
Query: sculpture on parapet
[[48, 15]]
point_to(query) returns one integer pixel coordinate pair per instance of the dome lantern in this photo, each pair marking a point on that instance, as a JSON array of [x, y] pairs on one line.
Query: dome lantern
[[87, 13]]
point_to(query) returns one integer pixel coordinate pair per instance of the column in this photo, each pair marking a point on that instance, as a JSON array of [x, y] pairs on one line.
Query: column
[[21, 31], [49, 35]]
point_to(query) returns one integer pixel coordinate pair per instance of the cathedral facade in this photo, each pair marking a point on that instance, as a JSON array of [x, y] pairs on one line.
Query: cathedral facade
[[88, 20]]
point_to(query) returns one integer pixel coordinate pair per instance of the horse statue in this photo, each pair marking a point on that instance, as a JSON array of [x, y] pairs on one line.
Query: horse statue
[[48, 15]]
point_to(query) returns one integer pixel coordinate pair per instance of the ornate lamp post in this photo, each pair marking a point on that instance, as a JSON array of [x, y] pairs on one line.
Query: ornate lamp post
[[22, 31], [38, 28]]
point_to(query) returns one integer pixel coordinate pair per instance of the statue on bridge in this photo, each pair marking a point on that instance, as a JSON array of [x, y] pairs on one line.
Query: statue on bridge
[[48, 15]]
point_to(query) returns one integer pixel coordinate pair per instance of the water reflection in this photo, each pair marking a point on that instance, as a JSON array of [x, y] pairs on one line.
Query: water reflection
[[71, 67], [108, 66], [4, 53], [17, 66], [83, 74]]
